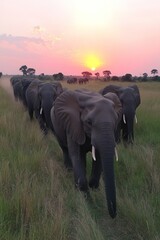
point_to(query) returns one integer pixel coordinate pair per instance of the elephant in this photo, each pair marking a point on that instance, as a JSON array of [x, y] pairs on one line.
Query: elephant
[[14, 79], [20, 86], [85, 121], [25, 85], [40, 97], [47, 93], [18, 90], [130, 99], [31, 98]]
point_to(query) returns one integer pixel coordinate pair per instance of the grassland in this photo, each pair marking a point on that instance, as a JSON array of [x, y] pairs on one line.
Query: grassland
[[37, 196]]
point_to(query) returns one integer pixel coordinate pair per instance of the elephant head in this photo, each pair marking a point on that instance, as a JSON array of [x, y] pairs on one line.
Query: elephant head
[[83, 119], [130, 99], [46, 95]]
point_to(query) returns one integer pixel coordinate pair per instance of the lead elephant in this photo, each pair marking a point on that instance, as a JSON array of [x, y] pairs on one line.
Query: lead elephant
[[85, 121], [130, 99]]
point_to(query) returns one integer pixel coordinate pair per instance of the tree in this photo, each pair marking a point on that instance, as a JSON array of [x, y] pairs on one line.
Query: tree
[[127, 77], [115, 78], [154, 71], [23, 69], [145, 75], [86, 74], [144, 78], [97, 75], [58, 76], [1, 74], [106, 73], [31, 71]]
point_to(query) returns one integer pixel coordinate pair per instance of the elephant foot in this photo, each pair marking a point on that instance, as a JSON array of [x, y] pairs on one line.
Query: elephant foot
[[87, 196], [82, 185], [118, 141], [127, 143], [68, 166], [93, 183], [45, 131]]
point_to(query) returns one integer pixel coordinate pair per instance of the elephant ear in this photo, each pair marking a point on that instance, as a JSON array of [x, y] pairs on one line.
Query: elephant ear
[[136, 94], [68, 116], [58, 87], [110, 88], [117, 104]]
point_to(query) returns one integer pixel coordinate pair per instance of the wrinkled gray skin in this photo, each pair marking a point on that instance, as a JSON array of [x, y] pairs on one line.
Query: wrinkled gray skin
[[20, 86], [130, 99], [31, 98], [18, 90], [47, 93], [82, 119], [40, 97]]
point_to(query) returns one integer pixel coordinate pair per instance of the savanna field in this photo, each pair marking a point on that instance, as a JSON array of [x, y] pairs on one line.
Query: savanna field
[[38, 200]]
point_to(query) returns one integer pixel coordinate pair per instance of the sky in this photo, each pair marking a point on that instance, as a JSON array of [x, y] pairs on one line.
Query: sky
[[72, 36]]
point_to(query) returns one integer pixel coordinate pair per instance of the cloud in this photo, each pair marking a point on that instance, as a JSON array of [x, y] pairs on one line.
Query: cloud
[[38, 30], [22, 45], [48, 37], [21, 41]]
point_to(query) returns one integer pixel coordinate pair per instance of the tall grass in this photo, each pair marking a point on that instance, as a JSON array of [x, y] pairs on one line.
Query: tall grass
[[37, 195]]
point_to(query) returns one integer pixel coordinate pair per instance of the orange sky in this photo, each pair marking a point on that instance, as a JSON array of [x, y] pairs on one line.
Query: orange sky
[[72, 36]]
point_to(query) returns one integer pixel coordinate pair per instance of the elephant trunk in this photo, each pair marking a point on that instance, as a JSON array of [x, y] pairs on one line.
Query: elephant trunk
[[130, 127], [105, 144], [46, 106], [130, 131]]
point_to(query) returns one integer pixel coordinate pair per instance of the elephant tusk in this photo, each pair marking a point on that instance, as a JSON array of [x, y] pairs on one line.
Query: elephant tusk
[[41, 111], [124, 119], [116, 154], [93, 153], [136, 119]]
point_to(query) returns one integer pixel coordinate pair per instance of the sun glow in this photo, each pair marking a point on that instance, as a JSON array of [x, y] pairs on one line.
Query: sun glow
[[92, 61], [93, 68]]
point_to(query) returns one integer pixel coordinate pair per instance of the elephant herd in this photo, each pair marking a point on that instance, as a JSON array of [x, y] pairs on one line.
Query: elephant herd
[[37, 97], [83, 121]]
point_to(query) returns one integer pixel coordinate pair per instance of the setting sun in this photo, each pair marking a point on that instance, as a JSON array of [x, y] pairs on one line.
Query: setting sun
[[92, 61], [93, 68]]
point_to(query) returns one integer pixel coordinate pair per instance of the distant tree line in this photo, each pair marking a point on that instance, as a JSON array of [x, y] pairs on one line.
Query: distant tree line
[[88, 75], [128, 77]]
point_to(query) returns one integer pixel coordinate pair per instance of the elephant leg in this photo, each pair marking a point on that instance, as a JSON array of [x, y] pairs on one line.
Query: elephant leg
[[78, 162], [118, 133], [95, 173], [128, 137], [42, 125], [67, 160], [124, 133], [30, 111]]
